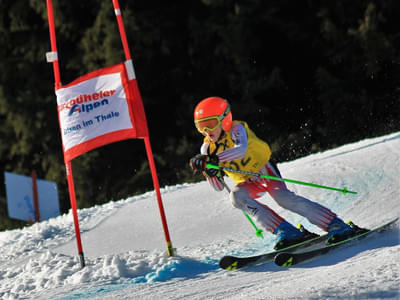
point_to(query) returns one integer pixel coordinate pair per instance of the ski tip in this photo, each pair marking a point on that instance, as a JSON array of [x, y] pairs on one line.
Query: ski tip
[[284, 259], [228, 263]]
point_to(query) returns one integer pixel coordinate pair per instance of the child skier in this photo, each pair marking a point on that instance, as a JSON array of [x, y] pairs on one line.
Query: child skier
[[233, 144]]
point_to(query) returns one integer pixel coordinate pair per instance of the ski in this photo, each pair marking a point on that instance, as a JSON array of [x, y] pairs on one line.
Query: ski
[[233, 262], [287, 259]]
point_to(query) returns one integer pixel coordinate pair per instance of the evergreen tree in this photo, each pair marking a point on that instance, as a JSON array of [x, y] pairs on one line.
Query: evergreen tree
[[306, 75]]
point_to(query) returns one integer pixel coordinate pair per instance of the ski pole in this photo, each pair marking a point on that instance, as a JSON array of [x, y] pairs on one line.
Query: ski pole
[[344, 190], [258, 230]]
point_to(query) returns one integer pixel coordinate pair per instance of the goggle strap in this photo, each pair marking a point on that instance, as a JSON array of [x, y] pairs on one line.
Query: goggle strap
[[225, 113]]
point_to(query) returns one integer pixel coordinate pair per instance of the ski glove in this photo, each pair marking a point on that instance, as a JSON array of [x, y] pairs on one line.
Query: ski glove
[[199, 164]]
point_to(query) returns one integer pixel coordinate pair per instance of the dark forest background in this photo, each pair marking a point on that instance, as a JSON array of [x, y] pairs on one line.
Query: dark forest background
[[306, 75]]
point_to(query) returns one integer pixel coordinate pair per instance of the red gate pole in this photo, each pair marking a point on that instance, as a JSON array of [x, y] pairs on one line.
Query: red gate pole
[[131, 76], [72, 197], [35, 196], [53, 57], [170, 249]]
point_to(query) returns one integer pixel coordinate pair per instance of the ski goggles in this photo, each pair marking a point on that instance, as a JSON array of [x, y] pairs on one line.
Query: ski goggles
[[210, 124]]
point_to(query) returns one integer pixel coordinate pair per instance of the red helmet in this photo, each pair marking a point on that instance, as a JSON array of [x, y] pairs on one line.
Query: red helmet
[[214, 107]]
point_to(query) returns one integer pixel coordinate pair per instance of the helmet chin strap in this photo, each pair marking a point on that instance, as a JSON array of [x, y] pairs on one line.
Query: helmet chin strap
[[222, 134]]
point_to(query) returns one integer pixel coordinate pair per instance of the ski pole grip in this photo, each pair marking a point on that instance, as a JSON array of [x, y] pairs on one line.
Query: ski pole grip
[[211, 166]]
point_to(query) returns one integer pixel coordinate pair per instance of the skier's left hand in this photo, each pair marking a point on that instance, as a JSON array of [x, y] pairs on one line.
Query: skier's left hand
[[200, 161]]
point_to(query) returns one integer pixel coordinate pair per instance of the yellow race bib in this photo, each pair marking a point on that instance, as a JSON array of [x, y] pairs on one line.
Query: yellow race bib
[[258, 154]]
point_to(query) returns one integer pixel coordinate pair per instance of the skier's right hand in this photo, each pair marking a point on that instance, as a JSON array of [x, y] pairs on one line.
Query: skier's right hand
[[199, 164]]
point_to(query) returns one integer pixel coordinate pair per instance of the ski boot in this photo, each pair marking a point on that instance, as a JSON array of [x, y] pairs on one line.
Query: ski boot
[[288, 235], [339, 230], [307, 235], [357, 229]]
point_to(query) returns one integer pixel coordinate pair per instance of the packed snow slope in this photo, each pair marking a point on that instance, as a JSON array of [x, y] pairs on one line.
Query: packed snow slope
[[124, 245]]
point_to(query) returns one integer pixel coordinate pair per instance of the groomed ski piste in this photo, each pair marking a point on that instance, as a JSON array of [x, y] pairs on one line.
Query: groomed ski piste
[[124, 244]]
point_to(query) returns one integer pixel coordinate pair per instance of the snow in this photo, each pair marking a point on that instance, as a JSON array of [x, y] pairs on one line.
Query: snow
[[124, 243]]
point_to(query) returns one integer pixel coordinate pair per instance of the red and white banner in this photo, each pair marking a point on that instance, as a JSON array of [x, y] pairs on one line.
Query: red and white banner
[[96, 109], [100, 108]]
